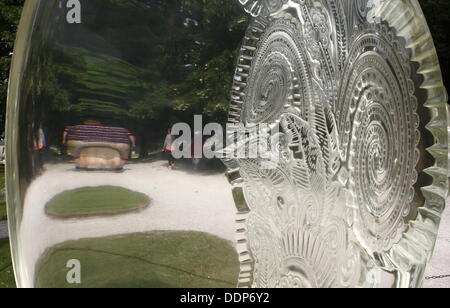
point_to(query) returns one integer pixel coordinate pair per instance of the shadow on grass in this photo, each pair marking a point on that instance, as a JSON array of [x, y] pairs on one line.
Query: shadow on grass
[[160, 259]]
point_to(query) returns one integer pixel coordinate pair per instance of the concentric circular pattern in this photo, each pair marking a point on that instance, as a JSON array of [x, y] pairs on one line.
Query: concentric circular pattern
[[339, 81], [273, 80], [379, 136], [278, 77]]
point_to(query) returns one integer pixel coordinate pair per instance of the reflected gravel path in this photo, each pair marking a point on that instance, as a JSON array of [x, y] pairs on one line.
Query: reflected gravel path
[[3, 229], [440, 263], [206, 205], [181, 201]]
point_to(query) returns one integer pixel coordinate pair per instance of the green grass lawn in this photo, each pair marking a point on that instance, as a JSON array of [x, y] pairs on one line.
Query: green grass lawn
[[6, 269], [102, 200], [3, 215], [2, 200], [154, 259]]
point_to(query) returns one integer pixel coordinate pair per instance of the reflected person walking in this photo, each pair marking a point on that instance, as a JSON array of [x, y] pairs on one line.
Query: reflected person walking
[[168, 149]]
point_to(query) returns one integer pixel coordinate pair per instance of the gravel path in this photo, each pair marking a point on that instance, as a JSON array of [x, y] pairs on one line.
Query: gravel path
[[440, 264], [181, 201], [4, 229]]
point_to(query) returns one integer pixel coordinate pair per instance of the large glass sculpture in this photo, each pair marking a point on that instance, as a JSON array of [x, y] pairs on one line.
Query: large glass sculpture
[[95, 87], [347, 192], [362, 175]]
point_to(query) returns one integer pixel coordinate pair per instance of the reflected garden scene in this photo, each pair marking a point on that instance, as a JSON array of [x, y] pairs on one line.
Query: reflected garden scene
[[222, 144], [96, 101]]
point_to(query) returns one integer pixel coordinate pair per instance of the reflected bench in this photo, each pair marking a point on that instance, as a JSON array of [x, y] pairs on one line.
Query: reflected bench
[[98, 147]]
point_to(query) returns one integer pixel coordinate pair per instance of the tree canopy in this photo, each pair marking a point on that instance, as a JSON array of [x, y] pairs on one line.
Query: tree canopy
[[10, 11], [173, 58], [437, 13]]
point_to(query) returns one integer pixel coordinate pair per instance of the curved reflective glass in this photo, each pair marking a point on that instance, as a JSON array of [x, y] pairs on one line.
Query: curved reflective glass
[[118, 143], [96, 197]]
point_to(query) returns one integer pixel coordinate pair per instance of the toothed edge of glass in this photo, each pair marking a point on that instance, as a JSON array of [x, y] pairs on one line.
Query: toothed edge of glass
[[417, 244]]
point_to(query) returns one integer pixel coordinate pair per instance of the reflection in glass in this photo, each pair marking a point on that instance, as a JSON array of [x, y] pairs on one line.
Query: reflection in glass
[[88, 173], [358, 166]]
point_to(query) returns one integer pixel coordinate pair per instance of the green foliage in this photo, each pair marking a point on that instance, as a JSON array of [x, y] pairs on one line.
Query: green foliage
[[6, 268], [172, 58], [9, 19], [207, 84], [437, 13]]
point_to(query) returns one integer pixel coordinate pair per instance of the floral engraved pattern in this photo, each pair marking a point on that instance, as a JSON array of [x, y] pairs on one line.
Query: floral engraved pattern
[[338, 78]]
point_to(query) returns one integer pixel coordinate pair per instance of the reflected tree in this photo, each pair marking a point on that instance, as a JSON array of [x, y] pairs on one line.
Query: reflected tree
[[10, 11], [170, 58]]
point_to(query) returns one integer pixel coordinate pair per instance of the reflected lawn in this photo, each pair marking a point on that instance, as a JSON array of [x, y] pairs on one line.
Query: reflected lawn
[[92, 201], [2, 196], [155, 259], [6, 269]]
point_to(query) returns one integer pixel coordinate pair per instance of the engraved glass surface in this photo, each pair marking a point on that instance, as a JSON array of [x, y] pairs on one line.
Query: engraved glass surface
[[348, 191], [356, 195]]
